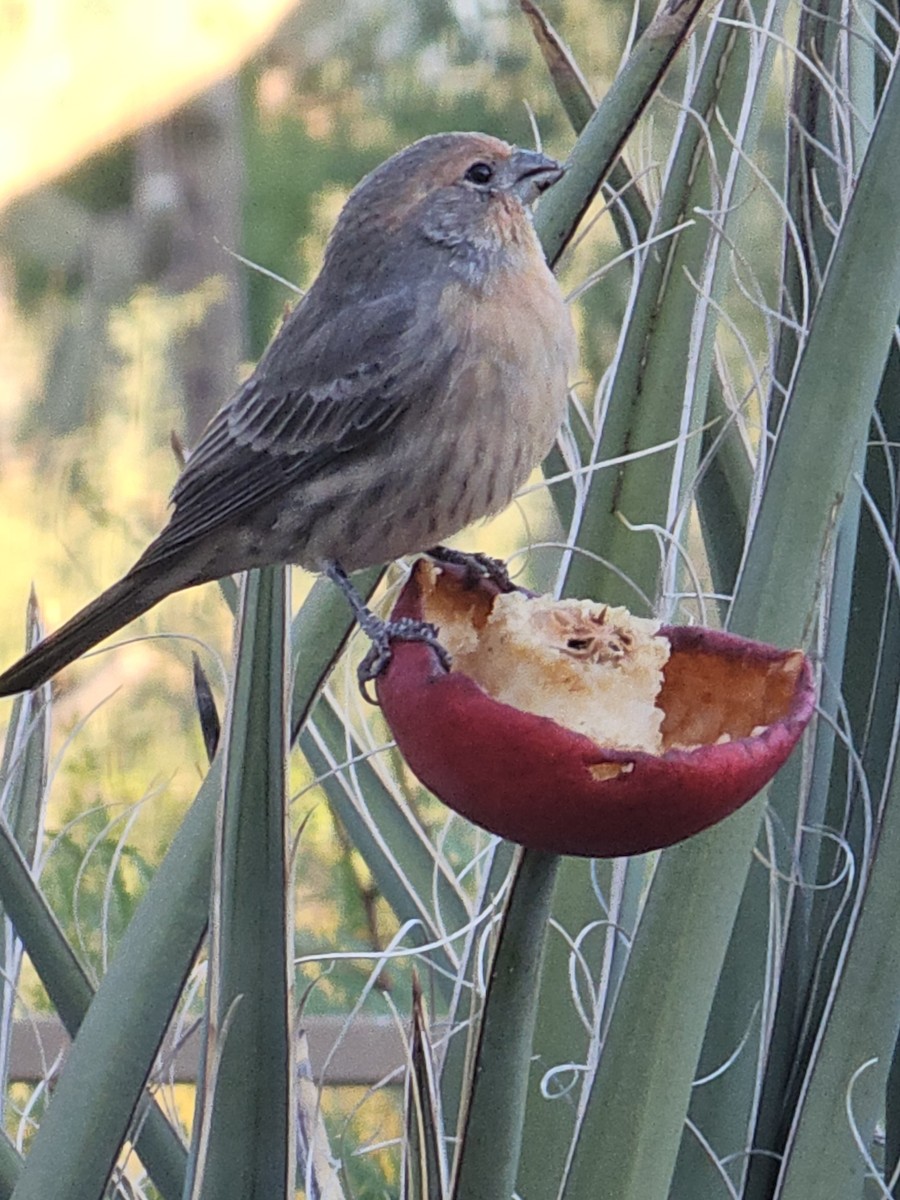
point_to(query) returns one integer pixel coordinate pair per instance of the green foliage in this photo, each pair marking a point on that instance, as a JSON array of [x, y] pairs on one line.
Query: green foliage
[[717, 1021], [323, 120], [96, 882]]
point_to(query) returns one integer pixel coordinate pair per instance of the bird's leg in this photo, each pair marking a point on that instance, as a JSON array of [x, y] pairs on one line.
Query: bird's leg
[[381, 632], [478, 566]]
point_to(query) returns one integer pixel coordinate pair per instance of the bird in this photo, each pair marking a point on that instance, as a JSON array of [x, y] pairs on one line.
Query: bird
[[409, 392]]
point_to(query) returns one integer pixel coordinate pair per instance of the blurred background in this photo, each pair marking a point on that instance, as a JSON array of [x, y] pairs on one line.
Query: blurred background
[[142, 153], [145, 148], [168, 176]]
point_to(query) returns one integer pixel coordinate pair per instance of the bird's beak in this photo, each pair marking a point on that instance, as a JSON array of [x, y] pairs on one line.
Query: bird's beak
[[533, 173]]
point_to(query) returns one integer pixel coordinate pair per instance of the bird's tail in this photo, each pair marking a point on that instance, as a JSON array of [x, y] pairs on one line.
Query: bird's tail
[[135, 593]]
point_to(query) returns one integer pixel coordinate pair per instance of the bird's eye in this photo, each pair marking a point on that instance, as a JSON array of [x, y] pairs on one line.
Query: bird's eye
[[480, 172]]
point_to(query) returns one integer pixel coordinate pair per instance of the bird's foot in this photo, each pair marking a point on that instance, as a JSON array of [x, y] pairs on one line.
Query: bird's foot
[[381, 634], [478, 566]]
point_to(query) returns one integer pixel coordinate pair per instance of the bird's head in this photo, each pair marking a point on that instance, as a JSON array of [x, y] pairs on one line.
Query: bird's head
[[474, 169], [467, 193]]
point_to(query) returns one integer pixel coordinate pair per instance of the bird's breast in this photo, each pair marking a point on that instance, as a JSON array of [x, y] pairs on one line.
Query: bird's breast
[[472, 430], [515, 351]]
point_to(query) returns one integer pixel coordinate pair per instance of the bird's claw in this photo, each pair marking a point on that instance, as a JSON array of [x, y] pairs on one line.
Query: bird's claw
[[478, 566], [497, 571], [404, 629]]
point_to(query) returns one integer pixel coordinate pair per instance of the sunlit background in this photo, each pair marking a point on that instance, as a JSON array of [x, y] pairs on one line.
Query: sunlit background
[[168, 176], [142, 149]]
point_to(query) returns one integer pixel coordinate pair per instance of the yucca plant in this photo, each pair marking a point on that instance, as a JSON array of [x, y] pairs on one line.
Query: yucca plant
[[717, 1020]]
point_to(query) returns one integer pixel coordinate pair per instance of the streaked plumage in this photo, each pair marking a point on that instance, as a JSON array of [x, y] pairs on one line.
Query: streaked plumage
[[410, 392]]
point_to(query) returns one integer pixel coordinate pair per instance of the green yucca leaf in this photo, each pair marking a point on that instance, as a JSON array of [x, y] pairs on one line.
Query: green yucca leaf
[[70, 992], [692, 902], [600, 143], [843, 1092], [207, 713], [23, 788], [24, 776], [664, 364], [407, 871], [318, 634], [76, 1146], [246, 1123], [10, 1165], [424, 1160], [816, 930], [463, 1014], [492, 1123], [630, 213], [99, 1089]]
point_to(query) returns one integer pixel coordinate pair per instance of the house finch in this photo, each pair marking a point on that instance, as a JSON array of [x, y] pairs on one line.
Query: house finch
[[410, 392]]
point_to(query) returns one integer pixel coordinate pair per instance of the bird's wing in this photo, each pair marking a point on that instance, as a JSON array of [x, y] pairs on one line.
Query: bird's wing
[[322, 390]]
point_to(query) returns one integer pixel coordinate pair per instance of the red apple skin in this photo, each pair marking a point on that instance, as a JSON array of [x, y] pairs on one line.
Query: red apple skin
[[530, 780]]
